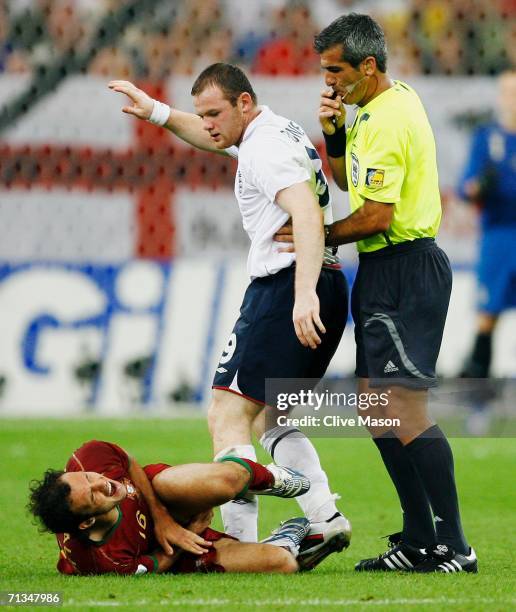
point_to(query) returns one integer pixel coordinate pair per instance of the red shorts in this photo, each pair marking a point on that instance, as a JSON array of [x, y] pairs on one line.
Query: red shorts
[[189, 563], [153, 469]]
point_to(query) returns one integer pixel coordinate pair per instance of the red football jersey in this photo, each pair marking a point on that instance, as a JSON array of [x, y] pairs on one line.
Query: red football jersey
[[127, 546]]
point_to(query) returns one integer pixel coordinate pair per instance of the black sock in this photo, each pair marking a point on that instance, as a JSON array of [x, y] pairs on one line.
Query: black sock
[[433, 459], [479, 362], [418, 525]]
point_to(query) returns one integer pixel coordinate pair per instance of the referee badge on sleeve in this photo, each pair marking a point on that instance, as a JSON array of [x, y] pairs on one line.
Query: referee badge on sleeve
[[374, 177], [355, 169]]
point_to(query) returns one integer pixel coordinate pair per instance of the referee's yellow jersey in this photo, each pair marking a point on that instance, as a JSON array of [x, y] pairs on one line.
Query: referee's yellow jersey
[[390, 157]]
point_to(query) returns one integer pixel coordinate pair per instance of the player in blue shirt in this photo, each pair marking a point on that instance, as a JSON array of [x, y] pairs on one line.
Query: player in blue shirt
[[489, 180]]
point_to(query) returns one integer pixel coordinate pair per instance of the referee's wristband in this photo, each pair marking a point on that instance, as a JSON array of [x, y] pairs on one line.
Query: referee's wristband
[[336, 142], [160, 113]]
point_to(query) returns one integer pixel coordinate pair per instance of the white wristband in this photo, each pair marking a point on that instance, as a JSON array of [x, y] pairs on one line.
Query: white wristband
[[160, 113]]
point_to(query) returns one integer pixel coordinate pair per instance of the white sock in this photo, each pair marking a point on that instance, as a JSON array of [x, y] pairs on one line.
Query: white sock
[[291, 448], [240, 517]]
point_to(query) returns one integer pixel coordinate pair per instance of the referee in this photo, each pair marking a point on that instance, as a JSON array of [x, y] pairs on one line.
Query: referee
[[387, 162]]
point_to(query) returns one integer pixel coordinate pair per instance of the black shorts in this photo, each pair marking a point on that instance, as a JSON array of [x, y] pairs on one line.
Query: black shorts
[[399, 304], [264, 345]]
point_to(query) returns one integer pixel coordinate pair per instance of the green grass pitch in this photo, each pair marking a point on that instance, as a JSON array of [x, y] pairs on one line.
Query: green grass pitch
[[485, 472]]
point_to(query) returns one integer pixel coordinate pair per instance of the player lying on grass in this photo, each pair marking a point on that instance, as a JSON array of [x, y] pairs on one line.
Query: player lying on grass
[[112, 516]]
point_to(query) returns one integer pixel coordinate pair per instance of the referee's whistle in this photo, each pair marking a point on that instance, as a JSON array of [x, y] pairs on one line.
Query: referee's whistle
[[334, 118]]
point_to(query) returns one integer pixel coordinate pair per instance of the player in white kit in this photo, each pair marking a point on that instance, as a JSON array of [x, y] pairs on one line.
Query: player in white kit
[[294, 310]]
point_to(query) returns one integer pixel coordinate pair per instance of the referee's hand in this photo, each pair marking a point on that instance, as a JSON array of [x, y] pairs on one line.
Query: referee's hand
[[332, 114], [306, 318], [142, 103], [285, 234]]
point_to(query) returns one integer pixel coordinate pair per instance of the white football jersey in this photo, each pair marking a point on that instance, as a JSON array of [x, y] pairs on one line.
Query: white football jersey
[[275, 153]]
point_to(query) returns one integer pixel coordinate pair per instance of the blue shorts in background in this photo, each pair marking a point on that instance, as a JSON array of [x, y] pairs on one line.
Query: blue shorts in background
[[496, 270]]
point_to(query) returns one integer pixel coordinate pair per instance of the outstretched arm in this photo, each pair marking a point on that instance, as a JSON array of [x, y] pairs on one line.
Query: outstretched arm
[[186, 126]]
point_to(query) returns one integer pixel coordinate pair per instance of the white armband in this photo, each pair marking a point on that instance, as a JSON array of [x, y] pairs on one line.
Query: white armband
[[160, 113]]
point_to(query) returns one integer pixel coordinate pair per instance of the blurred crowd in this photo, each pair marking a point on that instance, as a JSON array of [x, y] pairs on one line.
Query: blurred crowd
[[273, 37]]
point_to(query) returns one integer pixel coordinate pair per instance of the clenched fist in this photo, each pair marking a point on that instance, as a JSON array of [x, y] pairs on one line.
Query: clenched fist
[[332, 114]]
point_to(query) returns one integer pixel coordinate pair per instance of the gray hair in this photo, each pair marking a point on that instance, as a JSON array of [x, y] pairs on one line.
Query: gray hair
[[360, 37]]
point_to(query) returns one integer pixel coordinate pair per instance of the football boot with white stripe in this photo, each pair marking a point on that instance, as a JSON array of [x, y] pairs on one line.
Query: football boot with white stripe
[[400, 557], [287, 482], [443, 559], [323, 539]]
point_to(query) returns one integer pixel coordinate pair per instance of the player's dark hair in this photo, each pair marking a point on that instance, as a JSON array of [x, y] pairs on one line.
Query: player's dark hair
[[49, 503], [360, 37], [229, 78]]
